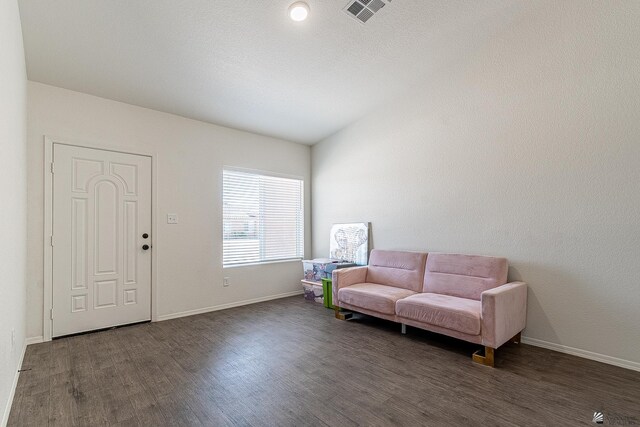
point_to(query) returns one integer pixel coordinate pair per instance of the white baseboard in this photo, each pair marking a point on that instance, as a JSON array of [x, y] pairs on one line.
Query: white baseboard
[[33, 340], [228, 305], [12, 393], [628, 364]]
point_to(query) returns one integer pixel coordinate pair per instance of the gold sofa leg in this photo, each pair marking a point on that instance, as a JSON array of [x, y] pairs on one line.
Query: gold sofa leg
[[342, 315], [487, 359]]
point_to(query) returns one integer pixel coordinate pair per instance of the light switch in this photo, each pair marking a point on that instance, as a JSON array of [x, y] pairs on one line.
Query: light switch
[[172, 218]]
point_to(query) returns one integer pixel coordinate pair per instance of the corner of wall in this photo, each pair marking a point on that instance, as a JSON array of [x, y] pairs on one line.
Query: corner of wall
[[13, 193]]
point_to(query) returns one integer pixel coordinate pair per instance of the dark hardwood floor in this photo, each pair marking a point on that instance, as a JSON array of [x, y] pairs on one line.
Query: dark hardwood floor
[[290, 362]]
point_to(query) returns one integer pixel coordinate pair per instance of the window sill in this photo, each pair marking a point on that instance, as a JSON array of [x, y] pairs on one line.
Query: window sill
[[254, 264]]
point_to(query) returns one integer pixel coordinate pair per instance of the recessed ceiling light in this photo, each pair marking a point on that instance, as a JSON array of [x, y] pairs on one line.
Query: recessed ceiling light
[[299, 11]]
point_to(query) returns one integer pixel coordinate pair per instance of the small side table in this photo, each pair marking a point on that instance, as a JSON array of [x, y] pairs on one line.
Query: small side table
[[327, 292]]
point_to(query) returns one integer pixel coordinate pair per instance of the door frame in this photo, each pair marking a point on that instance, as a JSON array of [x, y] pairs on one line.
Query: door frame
[[47, 322]]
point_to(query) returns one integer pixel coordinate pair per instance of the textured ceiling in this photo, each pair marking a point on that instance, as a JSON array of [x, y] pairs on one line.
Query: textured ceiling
[[244, 63]]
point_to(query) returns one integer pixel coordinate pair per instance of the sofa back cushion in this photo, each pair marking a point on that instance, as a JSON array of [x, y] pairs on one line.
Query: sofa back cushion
[[394, 268], [464, 276]]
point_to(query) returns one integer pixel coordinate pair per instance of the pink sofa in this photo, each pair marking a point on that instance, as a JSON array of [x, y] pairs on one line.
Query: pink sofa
[[463, 296]]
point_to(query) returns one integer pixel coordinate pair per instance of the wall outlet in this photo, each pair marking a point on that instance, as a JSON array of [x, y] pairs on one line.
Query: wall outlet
[[172, 218], [225, 282]]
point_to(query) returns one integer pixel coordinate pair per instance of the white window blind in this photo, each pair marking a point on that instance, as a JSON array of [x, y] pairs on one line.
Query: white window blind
[[263, 218]]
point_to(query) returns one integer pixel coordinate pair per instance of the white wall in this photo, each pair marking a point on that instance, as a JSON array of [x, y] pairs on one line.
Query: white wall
[[13, 194], [190, 156], [528, 148]]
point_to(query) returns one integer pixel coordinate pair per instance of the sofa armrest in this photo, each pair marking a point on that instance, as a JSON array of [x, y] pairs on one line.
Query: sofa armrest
[[343, 277], [504, 313]]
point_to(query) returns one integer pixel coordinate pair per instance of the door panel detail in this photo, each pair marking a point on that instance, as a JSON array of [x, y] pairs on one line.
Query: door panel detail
[[83, 171], [106, 228], [127, 174], [79, 303], [79, 244], [131, 243], [105, 293], [130, 296]]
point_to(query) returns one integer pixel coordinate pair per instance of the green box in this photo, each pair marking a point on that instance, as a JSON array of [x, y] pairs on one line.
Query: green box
[[327, 292]]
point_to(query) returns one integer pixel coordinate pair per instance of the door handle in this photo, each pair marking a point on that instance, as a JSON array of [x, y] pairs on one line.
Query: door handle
[[145, 247]]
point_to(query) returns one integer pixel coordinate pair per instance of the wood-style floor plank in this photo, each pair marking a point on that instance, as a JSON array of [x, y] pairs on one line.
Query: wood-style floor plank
[[291, 363]]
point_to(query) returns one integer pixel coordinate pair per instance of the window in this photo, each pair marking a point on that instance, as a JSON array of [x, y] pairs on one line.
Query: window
[[263, 218]]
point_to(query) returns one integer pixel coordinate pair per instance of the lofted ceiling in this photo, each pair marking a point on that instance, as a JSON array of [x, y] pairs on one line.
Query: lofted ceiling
[[244, 63]]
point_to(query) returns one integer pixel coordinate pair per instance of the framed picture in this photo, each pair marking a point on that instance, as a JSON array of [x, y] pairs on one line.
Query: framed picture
[[350, 242]]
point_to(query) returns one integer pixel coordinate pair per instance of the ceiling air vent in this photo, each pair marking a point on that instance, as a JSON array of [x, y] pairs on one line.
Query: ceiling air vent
[[363, 10]]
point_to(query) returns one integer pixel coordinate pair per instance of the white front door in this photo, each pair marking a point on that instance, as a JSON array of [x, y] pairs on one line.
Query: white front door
[[101, 239]]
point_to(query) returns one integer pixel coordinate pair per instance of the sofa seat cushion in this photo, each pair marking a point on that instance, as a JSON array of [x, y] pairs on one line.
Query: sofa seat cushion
[[380, 298], [458, 314]]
